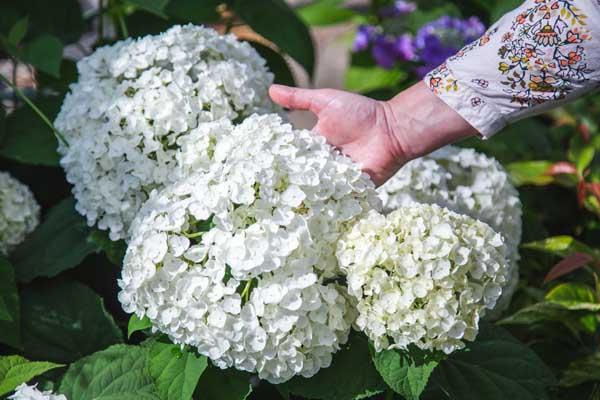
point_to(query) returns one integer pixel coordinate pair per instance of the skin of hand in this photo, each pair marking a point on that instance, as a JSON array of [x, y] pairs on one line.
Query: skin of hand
[[379, 135]]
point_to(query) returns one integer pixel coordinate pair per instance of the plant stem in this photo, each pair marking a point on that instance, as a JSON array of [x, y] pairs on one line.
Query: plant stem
[[122, 24], [39, 112], [246, 292]]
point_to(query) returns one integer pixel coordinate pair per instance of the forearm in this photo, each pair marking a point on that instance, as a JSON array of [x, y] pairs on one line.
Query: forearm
[[421, 123]]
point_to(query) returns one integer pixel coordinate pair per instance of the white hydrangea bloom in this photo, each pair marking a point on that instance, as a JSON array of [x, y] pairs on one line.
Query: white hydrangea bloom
[[469, 183], [422, 275], [135, 105], [26, 392], [239, 260], [19, 212]]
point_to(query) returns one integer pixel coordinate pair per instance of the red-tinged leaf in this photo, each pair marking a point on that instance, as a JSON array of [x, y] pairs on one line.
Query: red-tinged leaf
[[581, 192], [567, 265], [562, 167], [584, 131], [594, 188]]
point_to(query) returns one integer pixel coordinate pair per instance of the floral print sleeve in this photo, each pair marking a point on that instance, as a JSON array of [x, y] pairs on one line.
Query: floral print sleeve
[[535, 58]]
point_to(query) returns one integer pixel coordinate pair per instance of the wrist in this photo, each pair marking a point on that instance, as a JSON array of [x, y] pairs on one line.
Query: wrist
[[420, 122]]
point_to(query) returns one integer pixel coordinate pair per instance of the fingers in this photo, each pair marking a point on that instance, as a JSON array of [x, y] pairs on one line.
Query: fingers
[[300, 99]]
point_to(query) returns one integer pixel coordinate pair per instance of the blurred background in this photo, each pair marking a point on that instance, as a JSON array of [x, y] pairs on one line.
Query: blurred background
[[374, 47]]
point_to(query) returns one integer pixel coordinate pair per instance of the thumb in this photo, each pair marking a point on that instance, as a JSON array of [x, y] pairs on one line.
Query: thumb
[[300, 99]]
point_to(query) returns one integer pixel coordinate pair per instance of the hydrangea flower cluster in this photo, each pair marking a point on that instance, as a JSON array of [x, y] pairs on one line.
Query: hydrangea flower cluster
[[239, 260], [19, 212], [26, 392], [134, 105], [422, 275], [466, 182], [430, 46]]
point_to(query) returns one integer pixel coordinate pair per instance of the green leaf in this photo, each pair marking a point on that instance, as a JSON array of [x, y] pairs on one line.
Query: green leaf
[[530, 173], [65, 321], [574, 296], [585, 158], [406, 372], [325, 12], [494, 367], [27, 139], [44, 53], [136, 324], [15, 370], [276, 63], [543, 312], [117, 373], [176, 372], [114, 250], [351, 375], [10, 315], [366, 78], [583, 370], [223, 384], [197, 12], [18, 31], [289, 32], [154, 6], [61, 242], [561, 246]]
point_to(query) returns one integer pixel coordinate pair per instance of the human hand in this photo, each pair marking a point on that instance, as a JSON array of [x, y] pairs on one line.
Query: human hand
[[358, 126], [379, 135]]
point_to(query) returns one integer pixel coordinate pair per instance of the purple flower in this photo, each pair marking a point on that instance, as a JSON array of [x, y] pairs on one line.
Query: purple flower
[[405, 48], [399, 8], [363, 37], [384, 51], [442, 38]]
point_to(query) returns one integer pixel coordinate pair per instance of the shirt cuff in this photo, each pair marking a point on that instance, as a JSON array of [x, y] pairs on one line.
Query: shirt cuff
[[465, 100]]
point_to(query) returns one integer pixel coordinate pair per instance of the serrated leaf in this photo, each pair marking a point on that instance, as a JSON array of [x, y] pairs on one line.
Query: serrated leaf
[[494, 367], [351, 375], [582, 370], [117, 373], [18, 31], [154, 6], [10, 315], [574, 296], [27, 139], [223, 384], [325, 12], [61, 242], [364, 79], [276, 64], [175, 372], [530, 173], [15, 370], [197, 12], [44, 53], [136, 324], [65, 321], [289, 33], [406, 372]]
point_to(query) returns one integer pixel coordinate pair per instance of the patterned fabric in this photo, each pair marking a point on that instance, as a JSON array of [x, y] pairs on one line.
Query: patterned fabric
[[535, 58]]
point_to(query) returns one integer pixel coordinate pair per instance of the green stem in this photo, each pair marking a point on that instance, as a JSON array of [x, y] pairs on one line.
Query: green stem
[[246, 292], [192, 235], [39, 112], [122, 24]]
